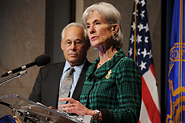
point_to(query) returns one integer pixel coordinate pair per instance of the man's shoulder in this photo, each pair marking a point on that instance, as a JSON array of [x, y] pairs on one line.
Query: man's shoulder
[[88, 63], [53, 66]]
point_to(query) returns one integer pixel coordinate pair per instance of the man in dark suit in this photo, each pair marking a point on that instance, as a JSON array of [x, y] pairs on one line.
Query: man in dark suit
[[74, 43]]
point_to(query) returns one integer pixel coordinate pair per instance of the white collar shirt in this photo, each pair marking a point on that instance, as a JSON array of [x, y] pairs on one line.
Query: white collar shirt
[[76, 75]]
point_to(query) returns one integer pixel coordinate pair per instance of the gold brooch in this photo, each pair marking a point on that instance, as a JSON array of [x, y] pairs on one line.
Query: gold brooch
[[108, 74]]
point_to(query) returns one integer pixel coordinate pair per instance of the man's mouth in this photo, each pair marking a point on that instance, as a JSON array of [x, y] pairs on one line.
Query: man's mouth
[[72, 54]]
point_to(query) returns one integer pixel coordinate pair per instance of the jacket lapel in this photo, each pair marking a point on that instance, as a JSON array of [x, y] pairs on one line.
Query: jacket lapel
[[56, 83], [80, 83]]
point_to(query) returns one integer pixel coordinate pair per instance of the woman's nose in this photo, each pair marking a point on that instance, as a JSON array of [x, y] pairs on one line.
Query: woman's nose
[[92, 30]]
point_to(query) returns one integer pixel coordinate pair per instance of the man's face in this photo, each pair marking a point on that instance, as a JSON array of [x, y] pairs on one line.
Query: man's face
[[74, 45]]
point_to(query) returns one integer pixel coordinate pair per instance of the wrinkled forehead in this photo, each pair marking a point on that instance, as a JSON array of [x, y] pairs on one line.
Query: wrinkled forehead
[[74, 32]]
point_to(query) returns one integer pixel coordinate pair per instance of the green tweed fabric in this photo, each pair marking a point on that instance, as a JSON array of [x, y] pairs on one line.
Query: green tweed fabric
[[120, 94]]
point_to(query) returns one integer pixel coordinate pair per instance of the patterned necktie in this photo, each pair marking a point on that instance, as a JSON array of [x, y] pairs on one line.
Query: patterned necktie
[[66, 85]]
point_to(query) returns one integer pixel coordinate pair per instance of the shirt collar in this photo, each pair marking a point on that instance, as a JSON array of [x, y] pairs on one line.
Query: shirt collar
[[78, 69]]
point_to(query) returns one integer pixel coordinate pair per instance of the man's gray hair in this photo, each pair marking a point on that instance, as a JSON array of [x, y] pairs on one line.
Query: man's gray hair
[[74, 24], [110, 14]]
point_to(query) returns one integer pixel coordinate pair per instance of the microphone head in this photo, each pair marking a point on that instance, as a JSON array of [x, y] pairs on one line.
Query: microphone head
[[42, 60]]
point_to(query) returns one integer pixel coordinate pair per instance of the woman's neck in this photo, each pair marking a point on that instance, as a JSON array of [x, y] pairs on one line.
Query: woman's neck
[[106, 55]]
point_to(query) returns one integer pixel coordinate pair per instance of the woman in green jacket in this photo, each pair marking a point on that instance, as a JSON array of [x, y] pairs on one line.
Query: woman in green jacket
[[112, 89]]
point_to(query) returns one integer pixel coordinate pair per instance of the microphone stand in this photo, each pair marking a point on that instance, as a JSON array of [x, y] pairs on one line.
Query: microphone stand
[[13, 77]]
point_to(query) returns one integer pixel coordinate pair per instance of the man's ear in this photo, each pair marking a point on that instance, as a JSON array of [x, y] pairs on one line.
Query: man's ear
[[61, 44], [115, 28]]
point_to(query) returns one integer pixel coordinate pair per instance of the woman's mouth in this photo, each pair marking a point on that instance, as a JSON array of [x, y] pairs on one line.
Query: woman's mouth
[[93, 38]]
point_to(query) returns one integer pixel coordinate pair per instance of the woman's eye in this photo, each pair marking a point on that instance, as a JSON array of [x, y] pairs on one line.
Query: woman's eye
[[87, 26]]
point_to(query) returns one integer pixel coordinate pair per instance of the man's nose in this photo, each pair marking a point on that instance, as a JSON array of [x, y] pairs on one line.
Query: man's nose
[[73, 45]]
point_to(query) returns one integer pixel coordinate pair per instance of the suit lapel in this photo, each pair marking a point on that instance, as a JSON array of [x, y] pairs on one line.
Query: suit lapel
[[56, 83], [80, 83]]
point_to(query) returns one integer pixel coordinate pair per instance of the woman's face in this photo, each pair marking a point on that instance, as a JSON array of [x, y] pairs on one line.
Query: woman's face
[[98, 30]]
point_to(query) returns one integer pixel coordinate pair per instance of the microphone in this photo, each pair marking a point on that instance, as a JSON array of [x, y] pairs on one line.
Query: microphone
[[39, 61]]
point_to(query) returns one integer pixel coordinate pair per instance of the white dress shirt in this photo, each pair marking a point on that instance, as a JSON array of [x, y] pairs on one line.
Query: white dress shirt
[[76, 75]]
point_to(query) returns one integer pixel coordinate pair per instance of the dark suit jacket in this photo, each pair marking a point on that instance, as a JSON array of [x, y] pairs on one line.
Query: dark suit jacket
[[46, 87]]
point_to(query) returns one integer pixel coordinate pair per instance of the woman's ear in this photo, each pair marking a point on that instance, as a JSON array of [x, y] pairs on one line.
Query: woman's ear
[[115, 28]]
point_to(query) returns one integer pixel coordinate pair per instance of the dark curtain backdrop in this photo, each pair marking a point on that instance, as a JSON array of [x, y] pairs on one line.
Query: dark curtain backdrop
[[167, 12]]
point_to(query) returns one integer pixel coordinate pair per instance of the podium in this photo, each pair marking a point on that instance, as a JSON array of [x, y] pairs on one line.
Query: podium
[[27, 111]]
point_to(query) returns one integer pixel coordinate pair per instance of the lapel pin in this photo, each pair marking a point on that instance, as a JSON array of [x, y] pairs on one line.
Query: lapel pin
[[108, 74]]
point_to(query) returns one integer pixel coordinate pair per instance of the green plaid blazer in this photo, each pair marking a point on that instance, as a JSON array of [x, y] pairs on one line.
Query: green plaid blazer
[[115, 91]]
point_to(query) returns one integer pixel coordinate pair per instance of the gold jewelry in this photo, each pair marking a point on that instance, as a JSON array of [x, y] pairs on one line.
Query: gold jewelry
[[108, 74]]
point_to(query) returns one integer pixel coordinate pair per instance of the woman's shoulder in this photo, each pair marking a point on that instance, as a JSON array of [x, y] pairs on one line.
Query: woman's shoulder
[[127, 62], [127, 59]]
